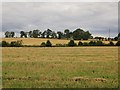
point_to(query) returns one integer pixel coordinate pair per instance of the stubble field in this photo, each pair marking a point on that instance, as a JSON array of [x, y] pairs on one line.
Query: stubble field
[[38, 41], [60, 67]]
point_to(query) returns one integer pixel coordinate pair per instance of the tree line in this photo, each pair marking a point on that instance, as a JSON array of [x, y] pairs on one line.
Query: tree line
[[77, 34], [71, 43]]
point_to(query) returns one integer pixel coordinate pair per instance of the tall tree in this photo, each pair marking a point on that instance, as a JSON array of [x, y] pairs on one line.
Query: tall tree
[[48, 32], [12, 34], [30, 34], [79, 34], [23, 34], [43, 34], [53, 34], [67, 33], [59, 34], [36, 33], [7, 34], [86, 35]]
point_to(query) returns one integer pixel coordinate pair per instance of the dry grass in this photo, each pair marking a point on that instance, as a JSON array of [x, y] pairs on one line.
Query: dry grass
[[77, 67], [38, 41]]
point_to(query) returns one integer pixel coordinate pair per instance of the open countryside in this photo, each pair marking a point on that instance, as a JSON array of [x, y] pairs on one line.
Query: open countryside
[[94, 65], [66, 67], [60, 45]]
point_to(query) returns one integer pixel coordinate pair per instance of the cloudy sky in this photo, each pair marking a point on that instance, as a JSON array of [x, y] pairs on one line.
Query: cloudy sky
[[96, 17]]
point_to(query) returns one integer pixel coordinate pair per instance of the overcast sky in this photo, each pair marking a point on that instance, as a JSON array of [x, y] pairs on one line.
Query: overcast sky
[[97, 17]]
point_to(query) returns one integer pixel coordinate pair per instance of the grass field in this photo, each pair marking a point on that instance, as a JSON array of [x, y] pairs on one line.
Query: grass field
[[38, 41], [76, 67]]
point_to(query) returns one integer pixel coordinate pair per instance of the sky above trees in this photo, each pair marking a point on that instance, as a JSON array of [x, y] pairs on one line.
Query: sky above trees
[[96, 17]]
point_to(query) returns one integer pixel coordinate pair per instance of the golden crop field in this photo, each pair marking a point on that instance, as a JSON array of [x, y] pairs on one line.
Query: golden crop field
[[60, 67], [38, 41]]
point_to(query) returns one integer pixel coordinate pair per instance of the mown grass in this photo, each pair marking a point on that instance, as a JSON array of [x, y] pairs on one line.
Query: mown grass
[[76, 67]]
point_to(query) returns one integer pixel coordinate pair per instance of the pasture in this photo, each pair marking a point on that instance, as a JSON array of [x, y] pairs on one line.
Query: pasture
[[60, 67]]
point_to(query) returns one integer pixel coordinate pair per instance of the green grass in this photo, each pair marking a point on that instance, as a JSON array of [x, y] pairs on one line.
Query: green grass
[[76, 67]]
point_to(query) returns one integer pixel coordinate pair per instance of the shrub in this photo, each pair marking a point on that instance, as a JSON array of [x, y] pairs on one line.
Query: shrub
[[0, 44], [118, 43], [43, 44], [85, 44], [48, 43], [13, 44], [5, 44], [111, 43], [99, 43], [71, 43], [92, 43], [80, 43], [61, 45], [16, 43]]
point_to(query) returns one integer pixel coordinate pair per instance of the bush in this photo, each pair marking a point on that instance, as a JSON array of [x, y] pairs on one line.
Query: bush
[[16, 43], [61, 45], [48, 43], [5, 44], [118, 43], [80, 43], [0, 44], [13, 44], [85, 44], [111, 43], [92, 43], [99, 43], [71, 43], [43, 44]]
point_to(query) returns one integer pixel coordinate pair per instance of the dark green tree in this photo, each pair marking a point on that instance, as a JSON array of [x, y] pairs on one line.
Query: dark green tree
[[36, 33], [80, 43], [85, 44], [111, 43], [67, 33], [71, 43], [43, 44], [118, 43], [79, 34], [86, 35], [99, 43], [16, 43], [43, 34], [48, 43], [53, 34], [5, 44], [59, 34], [92, 43], [9, 34], [23, 34], [30, 34], [12, 34], [48, 33]]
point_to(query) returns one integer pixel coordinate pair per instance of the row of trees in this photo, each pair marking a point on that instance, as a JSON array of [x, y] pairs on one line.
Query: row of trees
[[11, 44], [67, 34], [71, 43], [9, 34], [77, 34]]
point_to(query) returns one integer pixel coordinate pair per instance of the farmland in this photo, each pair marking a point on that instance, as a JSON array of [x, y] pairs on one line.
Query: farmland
[[38, 41], [60, 67]]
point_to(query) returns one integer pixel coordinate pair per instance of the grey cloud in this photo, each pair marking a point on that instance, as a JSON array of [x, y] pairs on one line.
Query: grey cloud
[[95, 17]]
